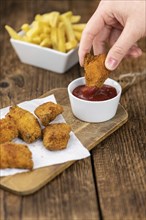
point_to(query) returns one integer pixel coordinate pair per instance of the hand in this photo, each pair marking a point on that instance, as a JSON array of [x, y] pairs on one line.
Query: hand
[[121, 24]]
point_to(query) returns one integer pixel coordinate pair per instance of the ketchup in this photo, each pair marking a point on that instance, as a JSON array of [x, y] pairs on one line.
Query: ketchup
[[95, 94]]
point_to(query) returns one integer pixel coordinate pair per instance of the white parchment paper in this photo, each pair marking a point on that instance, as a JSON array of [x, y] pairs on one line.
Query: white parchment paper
[[41, 156]]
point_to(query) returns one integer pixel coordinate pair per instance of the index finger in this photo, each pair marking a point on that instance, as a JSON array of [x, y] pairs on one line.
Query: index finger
[[93, 27]]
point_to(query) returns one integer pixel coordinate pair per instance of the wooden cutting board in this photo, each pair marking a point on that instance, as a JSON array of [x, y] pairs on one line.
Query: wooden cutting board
[[90, 134]]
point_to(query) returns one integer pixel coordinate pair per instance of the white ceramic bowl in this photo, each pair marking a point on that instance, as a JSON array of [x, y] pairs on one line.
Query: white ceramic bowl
[[45, 58], [94, 111]]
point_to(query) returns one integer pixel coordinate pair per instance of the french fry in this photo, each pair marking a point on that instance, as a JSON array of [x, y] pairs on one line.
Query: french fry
[[54, 18], [78, 27], [67, 14], [13, 33], [47, 30], [61, 37], [51, 18], [38, 17], [54, 38], [68, 28], [26, 39], [46, 42], [71, 45], [78, 35], [75, 18], [33, 32], [36, 40], [38, 26], [25, 27], [43, 36], [43, 18]]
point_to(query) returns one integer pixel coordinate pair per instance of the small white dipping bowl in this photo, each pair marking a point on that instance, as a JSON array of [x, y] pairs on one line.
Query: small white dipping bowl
[[94, 111]]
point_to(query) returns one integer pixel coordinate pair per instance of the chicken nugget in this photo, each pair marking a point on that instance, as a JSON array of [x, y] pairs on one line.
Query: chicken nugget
[[47, 112], [28, 126], [8, 130], [95, 70], [14, 155], [56, 136]]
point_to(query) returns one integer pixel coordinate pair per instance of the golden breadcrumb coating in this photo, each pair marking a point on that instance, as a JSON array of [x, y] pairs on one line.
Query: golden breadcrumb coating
[[14, 155], [56, 136], [47, 112], [8, 130], [28, 126], [95, 70]]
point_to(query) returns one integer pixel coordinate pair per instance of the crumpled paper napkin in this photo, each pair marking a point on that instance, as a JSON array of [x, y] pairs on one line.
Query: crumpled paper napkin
[[41, 156]]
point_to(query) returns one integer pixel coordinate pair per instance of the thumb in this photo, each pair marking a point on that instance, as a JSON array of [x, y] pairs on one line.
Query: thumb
[[125, 41]]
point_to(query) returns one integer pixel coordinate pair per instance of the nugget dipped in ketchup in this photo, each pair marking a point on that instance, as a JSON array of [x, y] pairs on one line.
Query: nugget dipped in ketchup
[[95, 70], [95, 76]]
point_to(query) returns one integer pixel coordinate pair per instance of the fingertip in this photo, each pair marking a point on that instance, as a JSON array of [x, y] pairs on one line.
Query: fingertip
[[81, 59], [81, 54], [81, 63], [111, 63]]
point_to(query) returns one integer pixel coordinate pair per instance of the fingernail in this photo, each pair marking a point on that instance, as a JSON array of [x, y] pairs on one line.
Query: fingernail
[[111, 64], [139, 51]]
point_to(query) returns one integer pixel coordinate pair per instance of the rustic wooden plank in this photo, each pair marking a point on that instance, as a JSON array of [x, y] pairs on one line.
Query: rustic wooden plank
[[63, 203], [70, 196]]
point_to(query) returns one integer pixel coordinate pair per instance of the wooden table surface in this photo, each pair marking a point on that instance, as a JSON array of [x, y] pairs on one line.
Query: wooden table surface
[[108, 185]]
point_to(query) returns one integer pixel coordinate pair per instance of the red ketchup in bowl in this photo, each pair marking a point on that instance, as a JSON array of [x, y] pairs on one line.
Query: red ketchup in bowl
[[95, 94]]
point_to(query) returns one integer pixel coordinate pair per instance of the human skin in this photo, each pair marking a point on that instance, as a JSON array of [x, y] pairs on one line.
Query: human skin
[[120, 24]]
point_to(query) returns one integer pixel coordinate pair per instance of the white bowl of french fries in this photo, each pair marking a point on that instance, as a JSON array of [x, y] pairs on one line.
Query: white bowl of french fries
[[50, 41]]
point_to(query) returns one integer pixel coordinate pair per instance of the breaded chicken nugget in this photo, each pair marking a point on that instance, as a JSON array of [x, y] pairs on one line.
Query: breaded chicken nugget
[[47, 112], [14, 155], [28, 126], [8, 130], [56, 136], [95, 70]]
